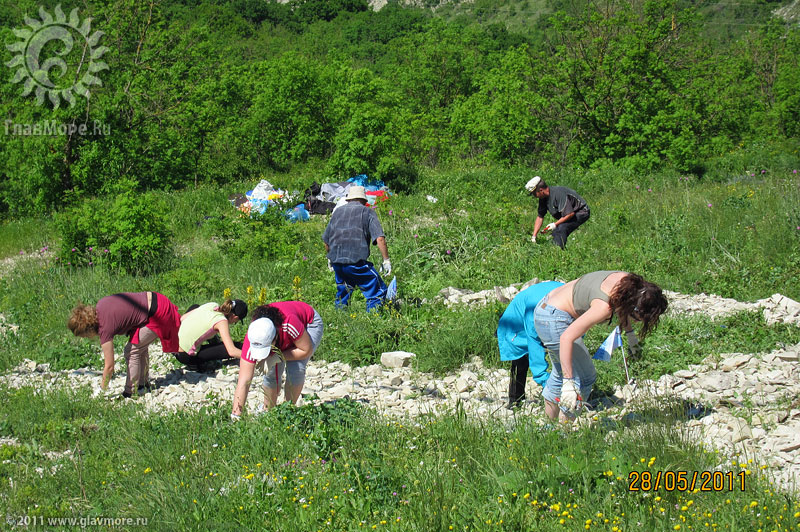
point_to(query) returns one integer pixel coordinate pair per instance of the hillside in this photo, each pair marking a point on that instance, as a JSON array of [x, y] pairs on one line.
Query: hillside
[[391, 93]]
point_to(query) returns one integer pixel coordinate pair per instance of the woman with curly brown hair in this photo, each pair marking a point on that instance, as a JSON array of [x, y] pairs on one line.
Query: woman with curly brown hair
[[568, 312], [143, 316]]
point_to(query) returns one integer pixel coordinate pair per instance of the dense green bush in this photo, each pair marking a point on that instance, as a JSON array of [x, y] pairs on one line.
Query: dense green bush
[[254, 237], [128, 232]]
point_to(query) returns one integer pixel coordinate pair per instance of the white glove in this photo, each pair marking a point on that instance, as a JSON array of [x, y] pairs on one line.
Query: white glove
[[533, 238], [235, 417], [386, 268], [633, 343], [330, 266], [550, 226], [570, 396]]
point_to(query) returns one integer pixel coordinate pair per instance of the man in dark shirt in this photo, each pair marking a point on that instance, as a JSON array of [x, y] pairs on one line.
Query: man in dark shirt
[[568, 208], [347, 238]]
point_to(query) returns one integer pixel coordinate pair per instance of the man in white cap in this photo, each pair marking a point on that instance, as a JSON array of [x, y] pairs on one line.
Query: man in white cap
[[351, 230], [568, 208]]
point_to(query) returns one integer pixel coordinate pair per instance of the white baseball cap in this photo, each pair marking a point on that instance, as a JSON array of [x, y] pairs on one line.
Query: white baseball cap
[[261, 333], [530, 186]]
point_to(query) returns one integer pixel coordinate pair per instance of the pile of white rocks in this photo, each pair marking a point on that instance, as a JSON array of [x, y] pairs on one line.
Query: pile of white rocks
[[451, 297], [777, 308], [6, 327], [394, 387], [750, 405]]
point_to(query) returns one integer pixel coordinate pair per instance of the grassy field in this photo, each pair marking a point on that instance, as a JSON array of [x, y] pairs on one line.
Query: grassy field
[[339, 467], [736, 236], [733, 233]]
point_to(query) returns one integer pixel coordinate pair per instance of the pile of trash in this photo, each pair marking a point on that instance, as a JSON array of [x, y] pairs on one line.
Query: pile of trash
[[318, 199], [265, 195], [323, 199]]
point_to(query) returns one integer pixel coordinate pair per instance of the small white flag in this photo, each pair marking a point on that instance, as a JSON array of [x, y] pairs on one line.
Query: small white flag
[[613, 341]]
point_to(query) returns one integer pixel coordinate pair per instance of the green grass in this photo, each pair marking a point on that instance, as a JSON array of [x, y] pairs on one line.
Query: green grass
[[27, 236], [339, 467], [475, 236], [365, 472]]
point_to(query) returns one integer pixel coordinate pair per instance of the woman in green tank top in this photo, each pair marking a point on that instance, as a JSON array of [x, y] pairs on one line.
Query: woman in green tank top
[[202, 323], [571, 310]]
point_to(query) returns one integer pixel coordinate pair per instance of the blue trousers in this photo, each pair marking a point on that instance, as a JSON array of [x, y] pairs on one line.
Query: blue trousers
[[361, 275]]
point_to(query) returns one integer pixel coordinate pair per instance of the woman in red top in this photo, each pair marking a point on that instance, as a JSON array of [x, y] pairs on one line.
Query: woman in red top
[[284, 335], [144, 317]]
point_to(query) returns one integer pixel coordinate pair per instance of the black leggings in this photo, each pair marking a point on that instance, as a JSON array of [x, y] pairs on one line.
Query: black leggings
[[516, 385], [207, 352]]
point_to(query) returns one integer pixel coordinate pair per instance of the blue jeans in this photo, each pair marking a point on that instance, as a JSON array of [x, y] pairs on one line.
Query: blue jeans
[[360, 275], [550, 324]]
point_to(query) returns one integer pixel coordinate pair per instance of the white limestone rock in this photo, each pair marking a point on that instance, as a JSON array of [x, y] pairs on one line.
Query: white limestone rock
[[397, 359]]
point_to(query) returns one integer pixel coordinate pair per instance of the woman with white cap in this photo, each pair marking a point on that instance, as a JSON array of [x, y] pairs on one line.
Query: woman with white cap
[[284, 336]]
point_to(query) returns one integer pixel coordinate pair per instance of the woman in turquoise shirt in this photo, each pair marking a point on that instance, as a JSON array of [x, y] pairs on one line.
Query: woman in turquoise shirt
[[519, 343]]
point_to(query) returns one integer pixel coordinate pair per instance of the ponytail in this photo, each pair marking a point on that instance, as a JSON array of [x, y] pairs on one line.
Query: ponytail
[[226, 308]]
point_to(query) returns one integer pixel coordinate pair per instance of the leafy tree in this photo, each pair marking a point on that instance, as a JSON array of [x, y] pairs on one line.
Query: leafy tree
[[309, 11], [260, 11], [214, 90], [621, 69], [367, 114], [508, 118], [433, 71], [288, 121]]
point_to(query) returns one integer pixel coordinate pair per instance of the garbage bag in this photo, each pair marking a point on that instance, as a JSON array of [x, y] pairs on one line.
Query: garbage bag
[[299, 213]]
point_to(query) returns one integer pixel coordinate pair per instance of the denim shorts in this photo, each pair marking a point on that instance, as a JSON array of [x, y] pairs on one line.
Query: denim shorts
[[296, 369], [550, 324]]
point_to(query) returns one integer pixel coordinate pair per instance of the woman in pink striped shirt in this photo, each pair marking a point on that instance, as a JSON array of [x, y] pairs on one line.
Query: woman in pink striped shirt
[[285, 336]]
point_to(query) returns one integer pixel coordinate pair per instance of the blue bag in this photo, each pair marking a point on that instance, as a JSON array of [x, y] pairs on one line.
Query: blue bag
[[299, 213]]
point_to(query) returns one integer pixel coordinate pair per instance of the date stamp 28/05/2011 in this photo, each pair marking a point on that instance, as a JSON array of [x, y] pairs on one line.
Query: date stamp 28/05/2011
[[686, 481]]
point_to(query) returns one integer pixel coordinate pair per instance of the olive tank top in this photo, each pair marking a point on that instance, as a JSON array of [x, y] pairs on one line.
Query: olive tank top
[[587, 288]]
